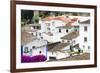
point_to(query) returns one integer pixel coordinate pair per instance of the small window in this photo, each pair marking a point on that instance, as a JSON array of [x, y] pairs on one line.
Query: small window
[[59, 30], [33, 47], [40, 52], [39, 34], [26, 50], [83, 46], [35, 27], [68, 41], [85, 39], [85, 28], [75, 30], [32, 33], [38, 27], [48, 28], [66, 30], [88, 47], [41, 37]]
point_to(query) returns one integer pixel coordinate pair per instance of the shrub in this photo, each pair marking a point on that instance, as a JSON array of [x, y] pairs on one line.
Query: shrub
[[36, 58]]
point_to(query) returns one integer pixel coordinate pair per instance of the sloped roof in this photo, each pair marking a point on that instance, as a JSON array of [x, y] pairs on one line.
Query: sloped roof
[[59, 46], [61, 18], [65, 27], [73, 20], [48, 18], [27, 28], [76, 46], [71, 35], [26, 38], [69, 24], [65, 19], [84, 22], [52, 45]]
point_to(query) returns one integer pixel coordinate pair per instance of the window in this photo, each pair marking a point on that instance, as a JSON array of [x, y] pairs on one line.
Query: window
[[41, 37], [75, 30], [85, 39], [48, 28], [85, 28], [66, 30], [26, 50], [88, 47], [32, 33], [40, 52], [38, 27], [71, 48], [34, 27], [33, 47], [39, 34], [83, 46], [68, 41], [59, 30]]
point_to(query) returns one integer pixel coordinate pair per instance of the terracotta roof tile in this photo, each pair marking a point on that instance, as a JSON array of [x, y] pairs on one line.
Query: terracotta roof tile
[[65, 19], [61, 18]]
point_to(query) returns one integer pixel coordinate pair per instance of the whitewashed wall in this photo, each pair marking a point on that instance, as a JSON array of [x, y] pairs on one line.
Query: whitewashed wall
[[83, 34]]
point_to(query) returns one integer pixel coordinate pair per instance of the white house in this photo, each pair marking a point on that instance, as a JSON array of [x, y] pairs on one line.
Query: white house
[[85, 35], [53, 28], [49, 24], [55, 51], [72, 38], [32, 46]]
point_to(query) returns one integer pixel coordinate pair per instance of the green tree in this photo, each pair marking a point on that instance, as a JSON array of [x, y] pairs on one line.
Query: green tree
[[35, 19]]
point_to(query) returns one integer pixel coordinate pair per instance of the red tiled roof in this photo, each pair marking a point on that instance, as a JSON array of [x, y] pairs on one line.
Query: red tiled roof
[[65, 19], [62, 18], [72, 21]]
